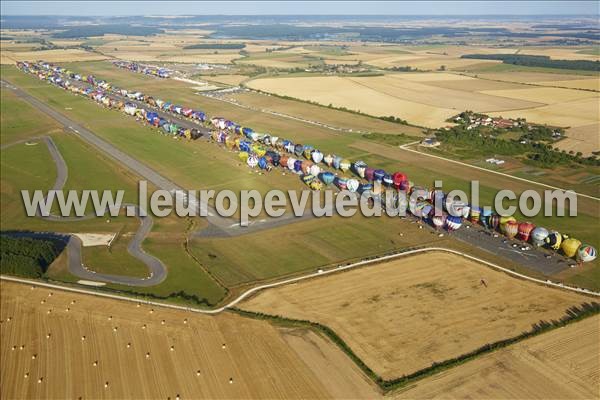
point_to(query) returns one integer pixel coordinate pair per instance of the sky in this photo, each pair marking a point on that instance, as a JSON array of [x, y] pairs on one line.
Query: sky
[[165, 7]]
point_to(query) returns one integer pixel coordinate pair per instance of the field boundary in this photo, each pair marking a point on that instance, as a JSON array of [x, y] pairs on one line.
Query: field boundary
[[340, 268], [572, 315], [405, 148]]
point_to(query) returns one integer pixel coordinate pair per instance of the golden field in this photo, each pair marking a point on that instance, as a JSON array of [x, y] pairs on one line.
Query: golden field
[[68, 55], [85, 356], [562, 364], [401, 316]]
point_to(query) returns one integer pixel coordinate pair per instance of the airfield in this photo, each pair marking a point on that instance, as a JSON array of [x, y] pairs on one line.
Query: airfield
[[397, 313]]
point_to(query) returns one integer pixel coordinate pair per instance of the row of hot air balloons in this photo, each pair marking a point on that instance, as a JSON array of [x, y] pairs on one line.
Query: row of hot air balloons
[[265, 152]]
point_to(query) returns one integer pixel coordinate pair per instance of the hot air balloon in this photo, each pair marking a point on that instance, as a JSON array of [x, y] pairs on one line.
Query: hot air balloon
[[263, 163], [316, 185], [243, 156], [406, 186], [306, 165], [290, 163], [230, 142], [307, 151], [539, 236], [475, 214], [369, 174], [289, 146], [275, 159], [494, 221], [398, 178], [317, 156], [388, 180], [327, 177], [510, 228], [352, 185], [586, 253], [359, 168], [298, 150], [336, 162], [308, 179], [283, 161], [504, 220], [328, 160], [525, 229], [344, 165], [315, 170], [485, 217], [453, 222], [554, 240], [417, 208], [365, 188], [570, 247], [438, 221], [459, 208], [274, 141], [378, 175], [252, 161], [341, 183], [298, 166]]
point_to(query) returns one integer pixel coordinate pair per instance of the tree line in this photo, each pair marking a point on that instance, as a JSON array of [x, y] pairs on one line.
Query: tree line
[[538, 61], [27, 257]]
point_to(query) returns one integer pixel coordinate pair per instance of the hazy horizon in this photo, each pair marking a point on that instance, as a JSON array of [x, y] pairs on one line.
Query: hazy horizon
[[302, 8]]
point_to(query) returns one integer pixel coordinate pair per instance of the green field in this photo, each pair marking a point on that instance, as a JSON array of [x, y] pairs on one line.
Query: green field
[[31, 167], [201, 163]]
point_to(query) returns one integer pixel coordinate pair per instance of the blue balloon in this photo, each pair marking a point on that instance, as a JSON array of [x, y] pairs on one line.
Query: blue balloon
[[327, 177]]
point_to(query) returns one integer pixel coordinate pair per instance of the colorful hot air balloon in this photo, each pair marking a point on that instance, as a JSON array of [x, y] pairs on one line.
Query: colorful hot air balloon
[[327, 177], [306, 166], [317, 156], [252, 161], [554, 240], [344, 165], [359, 168], [328, 160], [298, 150], [485, 217], [494, 221], [586, 253], [283, 161], [453, 222], [388, 180], [475, 214], [378, 175], [525, 229], [336, 162], [307, 151], [510, 228], [352, 185], [315, 170], [263, 163], [274, 141], [298, 166], [275, 159], [503, 221], [369, 174], [570, 247], [290, 163], [341, 183], [365, 188], [316, 185], [398, 178], [243, 155], [308, 179], [289, 146], [438, 221], [539, 236]]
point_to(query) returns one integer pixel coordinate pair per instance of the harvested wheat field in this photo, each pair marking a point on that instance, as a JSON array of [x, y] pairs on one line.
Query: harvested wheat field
[[53, 55], [403, 315], [561, 364], [63, 345]]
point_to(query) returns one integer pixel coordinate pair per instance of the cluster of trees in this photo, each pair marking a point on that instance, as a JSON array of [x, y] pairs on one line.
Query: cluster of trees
[[396, 120], [215, 46], [26, 257], [538, 153], [101, 30], [538, 61]]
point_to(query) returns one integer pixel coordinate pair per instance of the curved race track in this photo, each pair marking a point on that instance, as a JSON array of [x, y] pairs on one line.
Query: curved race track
[[157, 270]]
